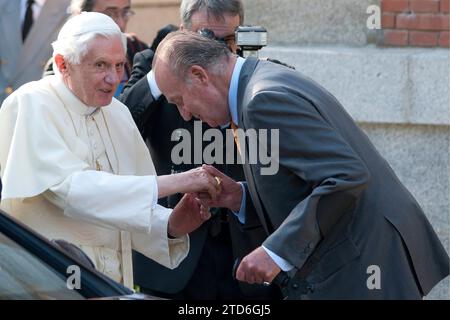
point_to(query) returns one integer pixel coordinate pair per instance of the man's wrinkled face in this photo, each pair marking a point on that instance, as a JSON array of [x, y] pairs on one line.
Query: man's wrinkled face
[[194, 96], [222, 28], [94, 81], [118, 10]]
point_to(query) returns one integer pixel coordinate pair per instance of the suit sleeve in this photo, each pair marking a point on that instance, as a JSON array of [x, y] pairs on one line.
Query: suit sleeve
[[313, 151], [137, 95], [142, 64]]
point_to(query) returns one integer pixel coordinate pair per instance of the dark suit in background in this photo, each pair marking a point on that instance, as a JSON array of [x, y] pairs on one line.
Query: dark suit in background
[[206, 272], [335, 207]]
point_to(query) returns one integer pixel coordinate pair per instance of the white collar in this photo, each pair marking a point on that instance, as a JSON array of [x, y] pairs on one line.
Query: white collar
[[69, 98]]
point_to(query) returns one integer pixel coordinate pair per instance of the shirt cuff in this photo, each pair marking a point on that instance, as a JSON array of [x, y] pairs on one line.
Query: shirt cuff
[[154, 186], [156, 93], [241, 214], [283, 264]]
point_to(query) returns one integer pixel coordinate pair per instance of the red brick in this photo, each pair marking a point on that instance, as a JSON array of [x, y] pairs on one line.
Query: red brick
[[444, 39], [388, 21], [445, 22], [424, 6], [420, 22], [423, 38], [395, 37], [445, 4], [395, 5]]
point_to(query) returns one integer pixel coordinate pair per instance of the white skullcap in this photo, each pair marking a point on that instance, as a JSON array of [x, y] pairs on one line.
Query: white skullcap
[[88, 22]]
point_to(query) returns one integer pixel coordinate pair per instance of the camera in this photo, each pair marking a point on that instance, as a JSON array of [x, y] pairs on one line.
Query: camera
[[250, 39]]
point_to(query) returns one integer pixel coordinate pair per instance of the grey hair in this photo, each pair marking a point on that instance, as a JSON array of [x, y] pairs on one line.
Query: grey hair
[[215, 8], [78, 6], [184, 49]]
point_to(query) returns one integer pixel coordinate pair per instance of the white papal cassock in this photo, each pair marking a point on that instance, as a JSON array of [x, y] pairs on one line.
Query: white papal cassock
[[85, 175]]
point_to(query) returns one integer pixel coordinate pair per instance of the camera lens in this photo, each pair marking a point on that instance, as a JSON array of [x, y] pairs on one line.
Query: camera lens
[[207, 33]]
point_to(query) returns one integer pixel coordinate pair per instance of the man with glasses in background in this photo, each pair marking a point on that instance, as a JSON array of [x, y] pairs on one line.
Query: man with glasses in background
[[120, 11], [206, 273]]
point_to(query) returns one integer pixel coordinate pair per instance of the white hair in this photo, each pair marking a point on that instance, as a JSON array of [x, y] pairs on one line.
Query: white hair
[[80, 31]]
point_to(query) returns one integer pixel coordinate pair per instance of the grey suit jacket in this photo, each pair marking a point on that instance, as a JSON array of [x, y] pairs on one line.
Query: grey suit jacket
[[24, 62], [335, 208]]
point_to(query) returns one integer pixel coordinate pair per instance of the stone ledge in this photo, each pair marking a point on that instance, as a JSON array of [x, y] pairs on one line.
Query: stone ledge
[[379, 85], [304, 22]]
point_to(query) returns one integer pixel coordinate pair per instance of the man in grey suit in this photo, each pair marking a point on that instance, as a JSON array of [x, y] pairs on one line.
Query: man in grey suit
[[23, 53], [205, 274], [340, 224], [23, 60]]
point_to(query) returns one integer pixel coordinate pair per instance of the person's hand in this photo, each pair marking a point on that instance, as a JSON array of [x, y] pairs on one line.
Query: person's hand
[[200, 180], [231, 192], [187, 216], [197, 180], [257, 268]]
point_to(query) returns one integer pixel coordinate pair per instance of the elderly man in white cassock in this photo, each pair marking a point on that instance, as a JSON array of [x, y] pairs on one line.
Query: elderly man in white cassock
[[74, 165]]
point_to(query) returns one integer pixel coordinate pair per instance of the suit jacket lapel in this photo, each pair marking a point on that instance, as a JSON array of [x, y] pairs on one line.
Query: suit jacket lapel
[[10, 30], [246, 73], [50, 19]]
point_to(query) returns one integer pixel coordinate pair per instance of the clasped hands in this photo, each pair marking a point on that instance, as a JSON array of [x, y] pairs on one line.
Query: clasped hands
[[208, 187], [190, 212]]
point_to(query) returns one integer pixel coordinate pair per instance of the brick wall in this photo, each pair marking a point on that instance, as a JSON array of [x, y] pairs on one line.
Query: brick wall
[[151, 15], [416, 23]]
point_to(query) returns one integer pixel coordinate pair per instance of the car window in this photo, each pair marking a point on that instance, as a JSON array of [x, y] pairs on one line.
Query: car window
[[23, 276]]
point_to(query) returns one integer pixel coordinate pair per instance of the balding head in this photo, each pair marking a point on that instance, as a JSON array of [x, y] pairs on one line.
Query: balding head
[[194, 73], [183, 49]]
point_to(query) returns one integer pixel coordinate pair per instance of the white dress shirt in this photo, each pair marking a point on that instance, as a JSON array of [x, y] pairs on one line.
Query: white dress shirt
[[154, 89]]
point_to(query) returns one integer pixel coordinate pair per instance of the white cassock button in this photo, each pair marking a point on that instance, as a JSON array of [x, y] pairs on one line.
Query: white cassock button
[[91, 132], [95, 146]]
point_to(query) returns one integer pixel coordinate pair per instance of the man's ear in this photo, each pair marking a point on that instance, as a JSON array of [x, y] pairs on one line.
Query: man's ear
[[197, 74], [61, 64]]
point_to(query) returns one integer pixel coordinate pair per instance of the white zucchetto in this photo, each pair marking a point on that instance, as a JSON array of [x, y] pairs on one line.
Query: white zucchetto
[[87, 22]]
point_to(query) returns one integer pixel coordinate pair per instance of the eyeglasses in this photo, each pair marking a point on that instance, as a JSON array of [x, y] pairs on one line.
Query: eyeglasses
[[115, 14], [229, 41]]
